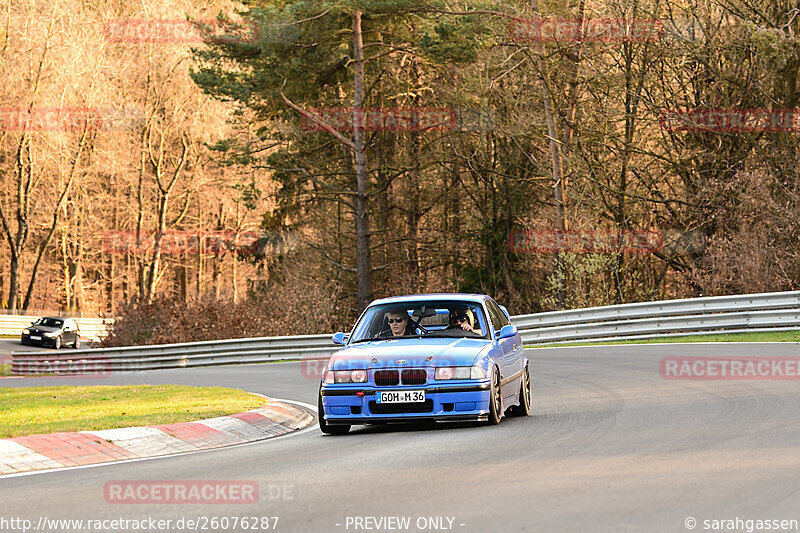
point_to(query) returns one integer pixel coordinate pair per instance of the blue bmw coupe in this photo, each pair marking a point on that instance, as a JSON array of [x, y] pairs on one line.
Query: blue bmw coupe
[[443, 357]]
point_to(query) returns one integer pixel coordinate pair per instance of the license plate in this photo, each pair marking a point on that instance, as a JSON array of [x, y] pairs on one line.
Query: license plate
[[400, 396], [35, 338]]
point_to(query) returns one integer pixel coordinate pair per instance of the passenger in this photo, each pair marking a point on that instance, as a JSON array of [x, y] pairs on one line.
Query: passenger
[[465, 319]]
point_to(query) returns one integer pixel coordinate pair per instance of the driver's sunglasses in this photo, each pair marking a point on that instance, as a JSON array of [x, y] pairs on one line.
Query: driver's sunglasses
[[395, 320]]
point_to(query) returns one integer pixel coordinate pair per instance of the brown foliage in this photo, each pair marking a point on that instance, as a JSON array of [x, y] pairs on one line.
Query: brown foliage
[[755, 249], [296, 301]]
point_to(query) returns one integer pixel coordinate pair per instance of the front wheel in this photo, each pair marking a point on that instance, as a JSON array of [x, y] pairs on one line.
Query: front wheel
[[496, 399], [58, 343], [328, 428], [524, 407]]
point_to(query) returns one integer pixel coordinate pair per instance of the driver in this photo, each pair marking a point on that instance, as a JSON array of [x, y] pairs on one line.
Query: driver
[[398, 324]]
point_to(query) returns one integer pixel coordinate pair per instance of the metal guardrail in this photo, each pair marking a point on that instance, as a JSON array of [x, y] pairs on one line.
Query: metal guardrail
[[91, 328], [191, 354], [703, 316], [778, 311]]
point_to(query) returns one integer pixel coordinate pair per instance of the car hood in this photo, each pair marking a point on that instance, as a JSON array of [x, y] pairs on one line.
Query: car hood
[[424, 352], [42, 329]]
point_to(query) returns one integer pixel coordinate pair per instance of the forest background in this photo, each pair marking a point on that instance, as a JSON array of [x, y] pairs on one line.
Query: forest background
[[197, 165]]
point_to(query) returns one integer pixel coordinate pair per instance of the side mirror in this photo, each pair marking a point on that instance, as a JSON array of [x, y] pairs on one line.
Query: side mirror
[[340, 338], [507, 331]]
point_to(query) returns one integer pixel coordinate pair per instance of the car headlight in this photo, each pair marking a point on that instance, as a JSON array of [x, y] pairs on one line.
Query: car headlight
[[459, 372], [346, 376], [51, 334], [26, 332]]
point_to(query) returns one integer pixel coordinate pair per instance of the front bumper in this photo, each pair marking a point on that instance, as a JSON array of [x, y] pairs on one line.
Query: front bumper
[[45, 341], [444, 403]]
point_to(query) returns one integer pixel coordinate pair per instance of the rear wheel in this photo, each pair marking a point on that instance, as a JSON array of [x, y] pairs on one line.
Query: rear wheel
[[77, 343], [496, 399], [328, 428], [524, 407]]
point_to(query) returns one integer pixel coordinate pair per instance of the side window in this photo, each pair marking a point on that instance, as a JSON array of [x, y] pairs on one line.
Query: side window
[[493, 316], [499, 318]]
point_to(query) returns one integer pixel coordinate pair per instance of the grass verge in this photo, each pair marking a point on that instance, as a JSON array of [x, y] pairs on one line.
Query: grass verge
[[33, 410], [754, 336]]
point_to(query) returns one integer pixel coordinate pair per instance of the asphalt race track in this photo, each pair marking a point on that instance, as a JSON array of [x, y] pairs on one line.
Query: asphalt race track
[[7, 346], [612, 446]]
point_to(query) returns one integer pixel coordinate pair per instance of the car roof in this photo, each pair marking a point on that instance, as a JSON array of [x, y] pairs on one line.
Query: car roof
[[472, 298]]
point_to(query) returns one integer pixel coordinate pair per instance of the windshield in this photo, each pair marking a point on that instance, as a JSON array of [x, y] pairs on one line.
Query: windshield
[[422, 319], [49, 322]]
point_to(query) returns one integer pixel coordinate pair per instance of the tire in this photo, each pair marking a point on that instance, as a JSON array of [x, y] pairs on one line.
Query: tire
[[57, 343], [524, 407], [495, 400], [326, 428], [77, 343]]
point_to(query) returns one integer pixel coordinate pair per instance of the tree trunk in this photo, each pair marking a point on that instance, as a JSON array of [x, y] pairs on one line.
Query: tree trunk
[[13, 282], [555, 155], [235, 273], [155, 260], [111, 307], [413, 216], [200, 241], [16, 244], [216, 272], [140, 267], [363, 267], [65, 270]]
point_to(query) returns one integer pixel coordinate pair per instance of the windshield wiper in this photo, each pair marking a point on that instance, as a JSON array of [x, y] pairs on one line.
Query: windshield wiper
[[415, 336], [368, 340], [455, 334]]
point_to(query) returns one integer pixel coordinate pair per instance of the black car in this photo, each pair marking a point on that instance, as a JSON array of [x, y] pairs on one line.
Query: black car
[[55, 332]]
